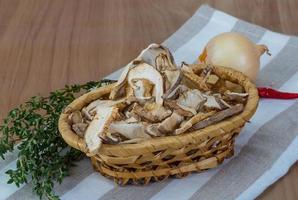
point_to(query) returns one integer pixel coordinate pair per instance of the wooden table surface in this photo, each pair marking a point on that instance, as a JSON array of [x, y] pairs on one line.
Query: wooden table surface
[[45, 44]]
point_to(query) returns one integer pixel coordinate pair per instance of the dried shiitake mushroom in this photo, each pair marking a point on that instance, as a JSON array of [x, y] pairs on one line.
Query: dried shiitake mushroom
[[155, 98]]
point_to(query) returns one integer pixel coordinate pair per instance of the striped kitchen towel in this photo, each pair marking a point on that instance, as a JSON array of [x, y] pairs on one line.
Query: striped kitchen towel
[[265, 149]]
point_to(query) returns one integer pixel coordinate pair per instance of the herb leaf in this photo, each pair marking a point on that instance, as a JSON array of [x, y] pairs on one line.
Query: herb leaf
[[44, 158]]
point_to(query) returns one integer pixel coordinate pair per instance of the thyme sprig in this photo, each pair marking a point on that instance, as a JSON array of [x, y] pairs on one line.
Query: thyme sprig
[[43, 158]]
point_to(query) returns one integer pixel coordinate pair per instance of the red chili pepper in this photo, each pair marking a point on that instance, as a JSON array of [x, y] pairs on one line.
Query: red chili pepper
[[275, 94]]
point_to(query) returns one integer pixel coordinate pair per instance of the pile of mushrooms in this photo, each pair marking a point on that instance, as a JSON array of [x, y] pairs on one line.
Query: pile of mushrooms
[[154, 98]]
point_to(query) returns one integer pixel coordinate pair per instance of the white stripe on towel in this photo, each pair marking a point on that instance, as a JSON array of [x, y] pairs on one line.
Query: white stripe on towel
[[275, 43], [91, 188]]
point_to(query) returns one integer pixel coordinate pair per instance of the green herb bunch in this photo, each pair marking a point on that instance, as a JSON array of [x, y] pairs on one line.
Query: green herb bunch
[[44, 158]]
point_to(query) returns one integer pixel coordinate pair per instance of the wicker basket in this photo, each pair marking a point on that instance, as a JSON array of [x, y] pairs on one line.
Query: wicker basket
[[158, 158]]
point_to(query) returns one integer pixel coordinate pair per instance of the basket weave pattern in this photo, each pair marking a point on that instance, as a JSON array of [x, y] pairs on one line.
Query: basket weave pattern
[[158, 158]]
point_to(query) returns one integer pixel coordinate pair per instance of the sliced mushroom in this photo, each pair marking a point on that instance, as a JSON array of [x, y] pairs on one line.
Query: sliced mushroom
[[86, 114], [157, 56], [219, 116], [175, 93], [80, 128], [152, 130], [191, 100], [163, 62], [199, 82], [127, 111], [173, 78], [145, 71], [129, 130], [223, 104], [119, 89], [170, 124], [149, 54], [151, 112], [195, 119], [100, 123], [172, 104], [212, 103], [132, 120], [112, 138], [206, 71], [92, 107], [75, 117], [215, 101], [186, 68], [142, 89]]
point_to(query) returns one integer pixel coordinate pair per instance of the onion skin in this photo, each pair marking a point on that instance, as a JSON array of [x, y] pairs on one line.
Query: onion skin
[[236, 51]]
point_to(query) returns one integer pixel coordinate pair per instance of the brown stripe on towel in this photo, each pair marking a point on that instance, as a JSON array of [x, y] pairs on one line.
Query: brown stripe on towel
[[252, 31], [24, 194], [77, 174]]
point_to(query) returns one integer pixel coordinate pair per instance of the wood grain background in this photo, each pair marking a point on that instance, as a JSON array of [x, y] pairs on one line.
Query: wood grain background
[[45, 44]]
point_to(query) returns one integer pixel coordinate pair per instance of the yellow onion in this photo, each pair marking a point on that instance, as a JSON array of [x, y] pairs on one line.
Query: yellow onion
[[236, 51]]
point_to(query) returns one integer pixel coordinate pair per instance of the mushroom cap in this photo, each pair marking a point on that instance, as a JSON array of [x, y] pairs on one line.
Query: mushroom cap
[[175, 92], [75, 117], [212, 102], [119, 87], [129, 130], [142, 89], [152, 55], [191, 100], [181, 111], [195, 119], [185, 68], [173, 78], [100, 123], [149, 54], [145, 71], [170, 124], [152, 129], [158, 56], [151, 112], [99, 103]]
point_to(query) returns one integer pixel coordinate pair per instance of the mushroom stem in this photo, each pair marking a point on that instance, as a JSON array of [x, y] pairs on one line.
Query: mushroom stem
[[218, 117], [194, 120], [174, 86], [171, 123]]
